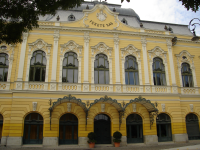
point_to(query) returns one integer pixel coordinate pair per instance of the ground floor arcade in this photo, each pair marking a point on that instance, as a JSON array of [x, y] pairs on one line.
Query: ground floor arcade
[[68, 120]]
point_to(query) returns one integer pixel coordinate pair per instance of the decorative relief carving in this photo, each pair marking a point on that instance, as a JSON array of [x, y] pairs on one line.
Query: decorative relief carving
[[34, 106], [134, 107], [71, 46], [101, 48], [40, 44], [102, 107], [69, 107], [56, 35], [143, 41], [130, 50], [191, 107], [101, 16], [86, 37], [157, 52], [85, 19], [25, 36], [116, 39], [163, 107]]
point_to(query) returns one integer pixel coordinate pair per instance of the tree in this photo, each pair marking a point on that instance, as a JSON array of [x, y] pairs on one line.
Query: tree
[[191, 4], [18, 16]]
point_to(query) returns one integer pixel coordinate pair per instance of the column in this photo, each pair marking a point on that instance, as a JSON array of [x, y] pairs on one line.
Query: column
[[21, 62], [86, 60], [171, 62], [54, 61], [146, 68], [117, 64]]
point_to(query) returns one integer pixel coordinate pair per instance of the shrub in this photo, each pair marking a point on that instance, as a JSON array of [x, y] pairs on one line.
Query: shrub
[[117, 137], [91, 136]]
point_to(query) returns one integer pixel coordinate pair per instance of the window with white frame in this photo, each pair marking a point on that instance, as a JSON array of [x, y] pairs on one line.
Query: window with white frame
[[38, 66], [70, 68], [158, 72], [4, 64], [101, 69], [186, 73], [131, 71]]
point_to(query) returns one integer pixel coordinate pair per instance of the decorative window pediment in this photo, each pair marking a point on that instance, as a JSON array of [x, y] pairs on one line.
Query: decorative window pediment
[[157, 52], [101, 48], [130, 50], [184, 57], [71, 46], [4, 48], [40, 44]]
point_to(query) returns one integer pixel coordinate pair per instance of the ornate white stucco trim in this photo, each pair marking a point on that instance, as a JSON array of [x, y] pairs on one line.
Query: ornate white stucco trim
[[70, 46], [39, 44], [10, 59], [190, 60], [158, 52], [104, 49]]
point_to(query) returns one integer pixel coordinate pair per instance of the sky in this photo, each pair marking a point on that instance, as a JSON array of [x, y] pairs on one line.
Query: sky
[[169, 11]]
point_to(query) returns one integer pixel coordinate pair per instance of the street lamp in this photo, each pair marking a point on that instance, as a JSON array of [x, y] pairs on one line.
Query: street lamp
[[195, 38]]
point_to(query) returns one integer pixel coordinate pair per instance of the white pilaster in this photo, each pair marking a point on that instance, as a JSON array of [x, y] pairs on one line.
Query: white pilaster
[[86, 56], [54, 61], [117, 65], [21, 62], [146, 69], [171, 62]]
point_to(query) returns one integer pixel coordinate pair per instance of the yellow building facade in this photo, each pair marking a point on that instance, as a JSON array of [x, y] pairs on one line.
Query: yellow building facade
[[100, 72]]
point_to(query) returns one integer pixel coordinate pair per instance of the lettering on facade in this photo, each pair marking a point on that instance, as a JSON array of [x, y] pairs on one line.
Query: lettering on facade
[[100, 25]]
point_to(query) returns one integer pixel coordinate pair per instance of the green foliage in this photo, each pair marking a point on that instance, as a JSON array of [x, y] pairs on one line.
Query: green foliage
[[191, 4], [19, 16], [117, 136], [91, 136]]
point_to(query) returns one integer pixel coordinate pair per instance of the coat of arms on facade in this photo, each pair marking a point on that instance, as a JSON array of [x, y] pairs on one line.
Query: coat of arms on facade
[[101, 16]]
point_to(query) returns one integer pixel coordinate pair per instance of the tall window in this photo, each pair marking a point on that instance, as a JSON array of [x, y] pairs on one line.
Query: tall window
[[158, 72], [131, 71], [70, 68], [38, 66], [101, 69], [3, 66], [186, 75]]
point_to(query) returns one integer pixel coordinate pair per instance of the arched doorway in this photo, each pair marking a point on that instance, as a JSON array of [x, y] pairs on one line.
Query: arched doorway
[[102, 129], [134, 129], [68, 129], [33, 129], [164, 128], [1, 126], [192, 125]]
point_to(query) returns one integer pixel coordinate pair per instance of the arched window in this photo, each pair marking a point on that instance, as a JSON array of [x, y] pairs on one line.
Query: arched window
[[131, 71], [38, 66], [1, 126], [192, 125], [68, 130], [70, 68], [101, 69], [164, 132], [158, 72], [4, 64], [134, 129], [33, 129], [186, 73]]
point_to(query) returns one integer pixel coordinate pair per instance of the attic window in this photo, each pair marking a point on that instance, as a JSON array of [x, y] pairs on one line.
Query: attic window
[[3, 47], [124, 21], [71, 18]]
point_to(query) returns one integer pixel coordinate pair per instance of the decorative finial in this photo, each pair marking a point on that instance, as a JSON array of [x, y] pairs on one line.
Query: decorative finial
[[114, 10], [87, 7], [141, 25], [166, 28], [58, 18]]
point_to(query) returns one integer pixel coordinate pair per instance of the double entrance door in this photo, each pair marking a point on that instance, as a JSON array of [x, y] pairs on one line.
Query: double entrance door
[[68, 129], [102, 129]]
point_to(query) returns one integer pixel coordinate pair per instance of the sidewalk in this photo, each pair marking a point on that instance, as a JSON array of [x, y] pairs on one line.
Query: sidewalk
[[192, 145]]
